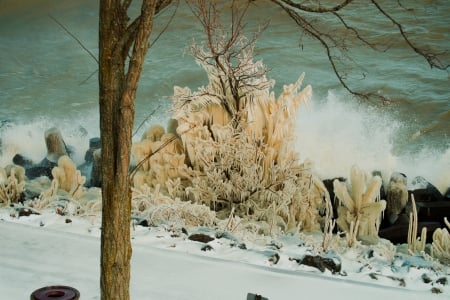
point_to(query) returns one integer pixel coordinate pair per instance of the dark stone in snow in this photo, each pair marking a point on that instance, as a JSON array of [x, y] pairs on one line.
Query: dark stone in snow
[[426, 278], [319, 262], [424, 191], [436, 290], [242, 246], [251, 296], [207, 248], [275, 258], [140, 221], [25, 211], [442, 280], [201, 237]]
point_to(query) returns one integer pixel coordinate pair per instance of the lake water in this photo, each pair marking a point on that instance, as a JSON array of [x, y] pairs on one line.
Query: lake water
[[45, 81]]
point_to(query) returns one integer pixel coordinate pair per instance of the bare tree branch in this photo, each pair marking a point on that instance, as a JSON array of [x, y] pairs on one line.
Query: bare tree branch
[[74, 37], [358, 35], [168, 23], [318, 9], [431, 58], [313, 31]]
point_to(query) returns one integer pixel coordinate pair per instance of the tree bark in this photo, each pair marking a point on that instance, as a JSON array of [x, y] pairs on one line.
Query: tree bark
[[115, 121], [118, 86]]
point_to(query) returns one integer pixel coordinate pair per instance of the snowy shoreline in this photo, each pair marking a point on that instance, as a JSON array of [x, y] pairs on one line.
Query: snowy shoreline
[[47, 249]]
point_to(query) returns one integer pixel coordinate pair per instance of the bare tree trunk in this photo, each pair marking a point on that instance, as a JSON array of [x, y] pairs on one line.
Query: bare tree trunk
[[115, 128], [118, 83]]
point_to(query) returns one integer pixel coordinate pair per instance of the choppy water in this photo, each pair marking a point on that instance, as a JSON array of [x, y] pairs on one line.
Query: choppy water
[[43, 74]]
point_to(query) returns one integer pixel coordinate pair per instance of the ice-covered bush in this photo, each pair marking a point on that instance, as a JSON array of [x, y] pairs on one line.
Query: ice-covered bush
[[68, 178], [158, 209], [236, 151], [12, 184], [440, 248], [359, 210]]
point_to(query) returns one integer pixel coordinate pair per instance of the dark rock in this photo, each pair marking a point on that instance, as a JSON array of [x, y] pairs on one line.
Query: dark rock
[[68, 221], [207, 248], [329, 186], [56, 147], [140, 221], [370, 253], [87, 168], [442, 280], [242, 246], [22, 161], [96, 173], [398, 233], [201, 237], [426, 278], [25, 211], [184, 230], [401, 281], [447, 194], [274, 259], [319, 262], [434, 211], [251, 296], [94, 144], [396, 196], [44, 168], [424, 191]]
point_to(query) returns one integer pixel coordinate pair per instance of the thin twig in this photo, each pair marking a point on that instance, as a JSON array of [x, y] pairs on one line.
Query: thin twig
[[146, 119], [74, 37], [167, 25]]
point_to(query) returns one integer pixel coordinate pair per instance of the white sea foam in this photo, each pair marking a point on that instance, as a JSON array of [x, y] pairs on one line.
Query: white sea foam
[[28, 138], [338, 133], [334, 134]]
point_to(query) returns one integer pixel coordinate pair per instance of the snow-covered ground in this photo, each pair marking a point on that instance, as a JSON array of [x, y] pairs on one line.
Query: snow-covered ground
[[50, 249]]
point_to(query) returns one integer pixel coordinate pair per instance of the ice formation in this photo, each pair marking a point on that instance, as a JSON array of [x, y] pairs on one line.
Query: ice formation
[[233, 149], [359, 214], [68, 178], [440, 248], [12, 184]]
